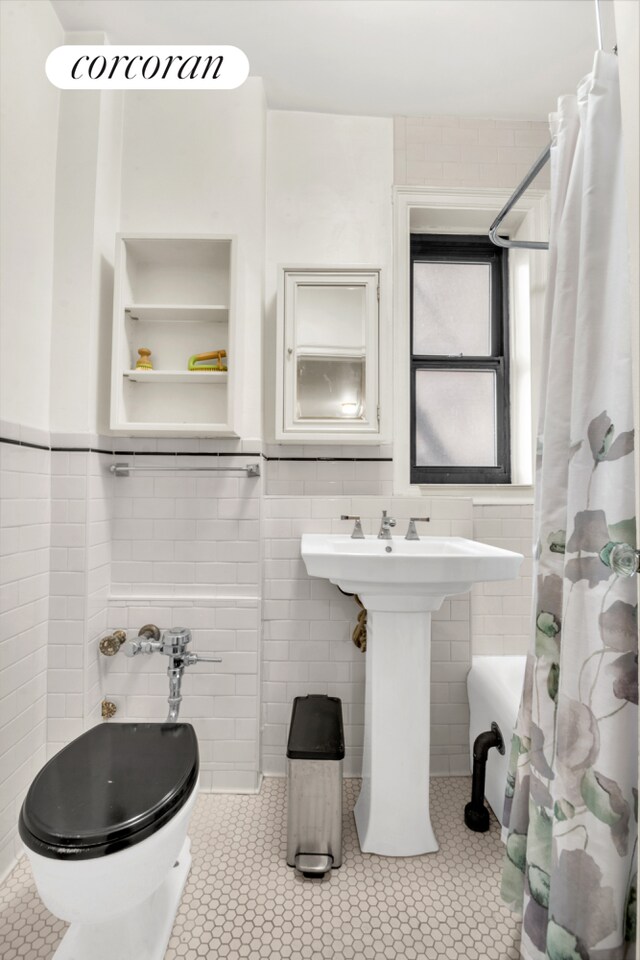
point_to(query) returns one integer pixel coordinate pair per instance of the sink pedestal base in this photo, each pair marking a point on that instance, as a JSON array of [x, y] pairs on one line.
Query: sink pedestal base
[[392, 811]]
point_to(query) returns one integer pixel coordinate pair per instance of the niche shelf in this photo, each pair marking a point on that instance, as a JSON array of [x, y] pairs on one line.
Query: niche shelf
[[174, 295], [177, 313], [194, 377]]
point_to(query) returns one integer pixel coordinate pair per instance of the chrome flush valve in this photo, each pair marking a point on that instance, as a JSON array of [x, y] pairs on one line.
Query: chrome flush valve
[[148, 641], [173, 644]]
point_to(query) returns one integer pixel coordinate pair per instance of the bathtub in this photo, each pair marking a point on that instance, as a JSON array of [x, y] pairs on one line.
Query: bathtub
[[494, 685]]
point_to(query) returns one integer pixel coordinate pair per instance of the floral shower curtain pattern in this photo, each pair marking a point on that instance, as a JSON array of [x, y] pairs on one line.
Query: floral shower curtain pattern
[[571, 804]]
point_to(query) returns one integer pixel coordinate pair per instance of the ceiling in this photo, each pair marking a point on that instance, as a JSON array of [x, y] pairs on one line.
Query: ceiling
[[492, 58]]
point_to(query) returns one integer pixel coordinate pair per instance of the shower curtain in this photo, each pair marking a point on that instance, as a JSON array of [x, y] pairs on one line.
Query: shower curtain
[[571, 803]]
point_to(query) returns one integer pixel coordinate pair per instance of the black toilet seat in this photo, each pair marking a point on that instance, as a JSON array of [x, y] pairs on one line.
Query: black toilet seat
[[112, 787]]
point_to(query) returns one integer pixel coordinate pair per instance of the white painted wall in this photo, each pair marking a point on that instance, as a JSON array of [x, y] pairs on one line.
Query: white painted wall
[[328, 202], [194, 163], [107, 216], [87, 206], [27, 184]]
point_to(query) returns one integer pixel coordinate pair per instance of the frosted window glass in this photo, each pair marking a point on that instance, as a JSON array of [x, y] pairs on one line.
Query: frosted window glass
[[455, 418], [452, 309], [330, 315], [330, 389]]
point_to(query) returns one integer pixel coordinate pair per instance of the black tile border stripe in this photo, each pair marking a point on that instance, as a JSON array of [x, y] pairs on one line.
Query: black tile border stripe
[[108, 453], [24, 443], [127, 453], [179, 453], [192, 453], [329, 459]]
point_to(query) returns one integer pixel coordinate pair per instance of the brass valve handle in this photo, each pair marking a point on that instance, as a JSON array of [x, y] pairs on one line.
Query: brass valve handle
[[110, 645]]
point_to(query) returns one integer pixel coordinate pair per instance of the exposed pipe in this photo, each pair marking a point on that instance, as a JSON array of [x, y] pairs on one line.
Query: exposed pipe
[[174, 672], [476, 815]]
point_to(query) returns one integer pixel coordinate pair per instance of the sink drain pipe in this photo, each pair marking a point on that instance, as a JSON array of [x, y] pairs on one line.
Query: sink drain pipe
[[476, 815]]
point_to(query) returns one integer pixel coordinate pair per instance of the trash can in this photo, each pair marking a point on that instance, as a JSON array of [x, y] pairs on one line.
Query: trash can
[[315, 752]]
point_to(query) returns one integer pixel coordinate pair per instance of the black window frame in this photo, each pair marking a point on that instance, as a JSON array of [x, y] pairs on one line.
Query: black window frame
[[451, 248]]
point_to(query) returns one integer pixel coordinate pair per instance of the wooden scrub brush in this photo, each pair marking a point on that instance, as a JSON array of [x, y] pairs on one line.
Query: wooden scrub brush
[[200, 361]]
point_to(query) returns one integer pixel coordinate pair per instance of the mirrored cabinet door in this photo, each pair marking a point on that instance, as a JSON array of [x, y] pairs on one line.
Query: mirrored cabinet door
[[330, 354]]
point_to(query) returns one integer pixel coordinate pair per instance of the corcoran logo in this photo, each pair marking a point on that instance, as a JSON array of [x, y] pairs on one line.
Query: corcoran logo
[[130, 67]]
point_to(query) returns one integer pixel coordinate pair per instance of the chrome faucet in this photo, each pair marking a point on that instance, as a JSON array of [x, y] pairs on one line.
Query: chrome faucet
[[357, 530], [173, 643], [385, 526], [412, 533]]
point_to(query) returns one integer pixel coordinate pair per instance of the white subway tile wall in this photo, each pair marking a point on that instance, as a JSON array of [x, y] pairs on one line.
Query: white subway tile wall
[[84, 553], [308, 622], [186, 551], [328, 471], [176, 533], [24, 611], [459, 152], [81, 502], [501, 611], [199, 554], [221, 700]]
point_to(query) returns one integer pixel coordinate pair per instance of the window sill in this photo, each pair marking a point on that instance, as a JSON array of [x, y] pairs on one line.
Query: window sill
[[480, 493]]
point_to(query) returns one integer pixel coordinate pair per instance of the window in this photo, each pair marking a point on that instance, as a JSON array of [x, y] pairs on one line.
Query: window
[[459, 360]]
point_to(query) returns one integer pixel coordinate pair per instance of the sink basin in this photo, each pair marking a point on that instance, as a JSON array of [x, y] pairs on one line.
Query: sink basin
[[434, 566], [400, 582]]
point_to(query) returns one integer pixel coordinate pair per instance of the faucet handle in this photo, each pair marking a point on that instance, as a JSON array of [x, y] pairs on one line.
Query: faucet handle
[[412, 533], [357, 530], [110, 645]]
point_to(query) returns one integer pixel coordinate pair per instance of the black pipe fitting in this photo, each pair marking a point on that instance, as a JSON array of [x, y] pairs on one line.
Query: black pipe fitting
[[476, 815]]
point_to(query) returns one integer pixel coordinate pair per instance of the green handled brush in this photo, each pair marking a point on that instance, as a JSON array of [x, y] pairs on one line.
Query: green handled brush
[[200, 361]]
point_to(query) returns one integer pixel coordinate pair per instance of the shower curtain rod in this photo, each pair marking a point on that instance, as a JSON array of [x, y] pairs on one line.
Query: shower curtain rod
[[541, 162], [511, 202]]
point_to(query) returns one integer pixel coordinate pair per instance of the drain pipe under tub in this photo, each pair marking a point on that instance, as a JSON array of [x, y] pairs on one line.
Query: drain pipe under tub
[[476, 815]]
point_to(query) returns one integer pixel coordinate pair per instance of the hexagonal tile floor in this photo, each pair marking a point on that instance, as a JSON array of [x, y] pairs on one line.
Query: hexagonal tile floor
[[242, 901]]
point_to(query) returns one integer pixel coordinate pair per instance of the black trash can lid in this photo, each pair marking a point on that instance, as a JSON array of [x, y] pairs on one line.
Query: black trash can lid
[[316, 731]]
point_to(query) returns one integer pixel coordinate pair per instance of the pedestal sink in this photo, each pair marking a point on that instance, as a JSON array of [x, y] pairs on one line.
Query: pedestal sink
[[400, 582]]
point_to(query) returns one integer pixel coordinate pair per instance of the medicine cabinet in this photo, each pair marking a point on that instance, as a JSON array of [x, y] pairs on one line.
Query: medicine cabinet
[[327, 385], [173, 301]]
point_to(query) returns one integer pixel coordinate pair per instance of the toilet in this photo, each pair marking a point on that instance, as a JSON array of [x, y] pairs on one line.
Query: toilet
[[105, 828]]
